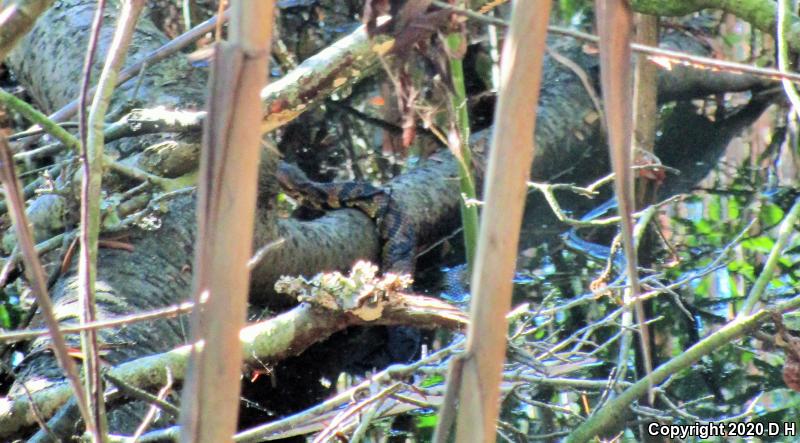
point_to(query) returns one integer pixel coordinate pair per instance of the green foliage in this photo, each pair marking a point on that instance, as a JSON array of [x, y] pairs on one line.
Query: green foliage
[[742, 372], [761, 244], [427, 421], [771, 214], [5, 318], [569, 10], [432, 381]]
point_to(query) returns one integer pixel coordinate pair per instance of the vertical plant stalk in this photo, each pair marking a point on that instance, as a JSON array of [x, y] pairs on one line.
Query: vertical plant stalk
[[90, 208], [645, 115], [615, 27], [645, 85], [187, 10], [458, 101], [645, 125], [36, 276], [225, 217], [508, 172], [83, 96], [645, 105], [494, 53], [91, 369]]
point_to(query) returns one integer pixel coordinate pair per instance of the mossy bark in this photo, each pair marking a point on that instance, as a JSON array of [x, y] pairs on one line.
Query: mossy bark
[[158, 272]]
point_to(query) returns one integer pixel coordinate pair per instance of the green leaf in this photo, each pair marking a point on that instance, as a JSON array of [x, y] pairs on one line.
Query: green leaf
[[5, 317], [427, 421], [743, 268], [734, 209], [714, 210], [771, 214], [702, 288], [762, 244], [432, 381], [703, 227]]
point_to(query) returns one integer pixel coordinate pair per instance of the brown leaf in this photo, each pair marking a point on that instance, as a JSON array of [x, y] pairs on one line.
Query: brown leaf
[[791, 372], [791, 347]]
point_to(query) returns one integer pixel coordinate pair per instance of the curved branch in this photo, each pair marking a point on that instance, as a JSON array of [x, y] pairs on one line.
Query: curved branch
[[285, 335], [613, 412]]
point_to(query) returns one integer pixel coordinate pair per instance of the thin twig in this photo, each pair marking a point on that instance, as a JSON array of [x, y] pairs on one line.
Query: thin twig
[[345, 415], [582, 76], [158, 403], [32, 115], [37, 131], [139, 394], [396, 372], [92, 166], [71, 142], [35, 273], [113, 322], [664, 54], [785, 231], [605, 417], [86, 77], [37, 413]]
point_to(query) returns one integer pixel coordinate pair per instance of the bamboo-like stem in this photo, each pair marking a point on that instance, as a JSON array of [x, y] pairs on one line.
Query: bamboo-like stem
[[458, 101], [225, 216], [507, 174], [615, 27]]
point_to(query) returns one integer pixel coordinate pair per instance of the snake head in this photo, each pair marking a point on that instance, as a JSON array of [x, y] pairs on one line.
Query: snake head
[[296, 184]]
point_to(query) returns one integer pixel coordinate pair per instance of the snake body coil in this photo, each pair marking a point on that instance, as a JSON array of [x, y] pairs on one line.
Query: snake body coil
[[397, 234]]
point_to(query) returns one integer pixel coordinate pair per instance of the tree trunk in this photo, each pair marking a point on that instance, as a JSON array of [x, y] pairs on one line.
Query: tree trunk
[[158, 272]]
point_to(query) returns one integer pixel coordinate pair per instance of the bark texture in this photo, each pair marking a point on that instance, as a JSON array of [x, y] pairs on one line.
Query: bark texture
[[158, 272]]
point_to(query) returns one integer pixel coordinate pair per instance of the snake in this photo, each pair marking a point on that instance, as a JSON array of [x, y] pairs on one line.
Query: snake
[[594, 251], [397, 234]]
